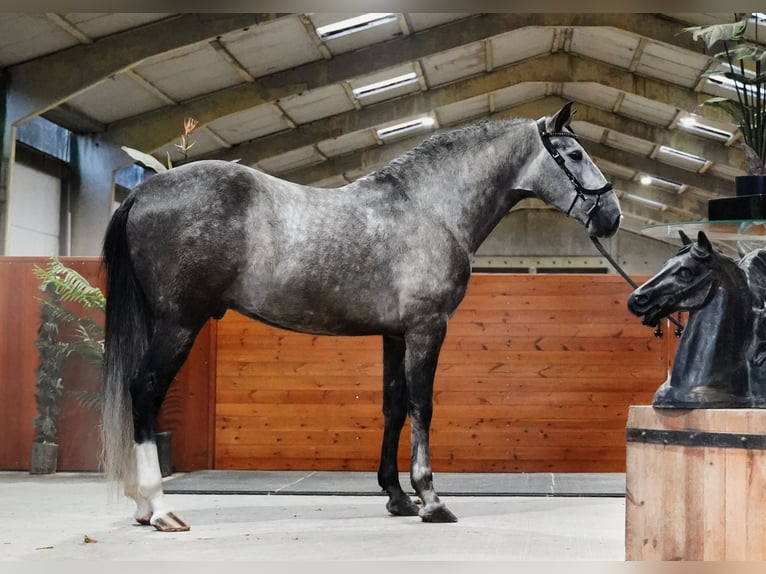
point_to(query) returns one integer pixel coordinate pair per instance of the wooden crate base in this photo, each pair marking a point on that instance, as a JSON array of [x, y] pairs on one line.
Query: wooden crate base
[[696, 484]]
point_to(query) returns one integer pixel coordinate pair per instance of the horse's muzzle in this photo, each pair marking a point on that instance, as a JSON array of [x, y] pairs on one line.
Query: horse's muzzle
[[596, 231], [639, 305]]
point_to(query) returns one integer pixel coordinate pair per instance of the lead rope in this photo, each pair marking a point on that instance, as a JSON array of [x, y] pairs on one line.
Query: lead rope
[[658, 331]]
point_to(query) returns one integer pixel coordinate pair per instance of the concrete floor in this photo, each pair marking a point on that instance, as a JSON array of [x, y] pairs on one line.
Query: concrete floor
[[72, 516]]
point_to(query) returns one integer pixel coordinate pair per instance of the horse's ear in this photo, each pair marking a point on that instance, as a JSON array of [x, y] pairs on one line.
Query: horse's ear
[[684, 238], [560, 119], [704, 242]]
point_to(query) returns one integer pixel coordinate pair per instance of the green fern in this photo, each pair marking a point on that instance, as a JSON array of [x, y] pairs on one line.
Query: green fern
[[70, 285]]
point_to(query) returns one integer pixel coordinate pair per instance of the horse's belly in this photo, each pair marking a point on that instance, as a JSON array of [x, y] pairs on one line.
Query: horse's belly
[[323, 316]]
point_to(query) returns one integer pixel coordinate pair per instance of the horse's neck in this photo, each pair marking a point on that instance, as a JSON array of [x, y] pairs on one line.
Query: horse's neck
[[473, 192], [714, 341]]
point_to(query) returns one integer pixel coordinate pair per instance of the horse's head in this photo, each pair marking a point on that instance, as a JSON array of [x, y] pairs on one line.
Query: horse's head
[[685, 283], [565, 176]]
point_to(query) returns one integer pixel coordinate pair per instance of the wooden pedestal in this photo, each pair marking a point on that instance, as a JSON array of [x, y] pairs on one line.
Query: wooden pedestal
[[696, 484]]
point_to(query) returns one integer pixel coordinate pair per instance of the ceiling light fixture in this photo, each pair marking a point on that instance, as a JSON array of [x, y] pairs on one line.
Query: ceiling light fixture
[[406, 127], [681, 154], [385, 85], [355, 24], [660, 182], [693, 124], [645, 201]]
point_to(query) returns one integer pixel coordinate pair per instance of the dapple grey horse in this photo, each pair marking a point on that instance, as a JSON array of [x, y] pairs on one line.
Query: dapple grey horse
[[389, 254]]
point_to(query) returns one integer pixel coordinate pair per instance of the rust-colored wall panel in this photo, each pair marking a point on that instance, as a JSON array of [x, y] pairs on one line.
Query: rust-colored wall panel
[[536, 374], [79, 445], [187, 411]]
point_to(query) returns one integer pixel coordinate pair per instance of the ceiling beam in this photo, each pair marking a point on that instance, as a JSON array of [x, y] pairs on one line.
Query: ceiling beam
[[154, 129], [40, 84], [424, 102], [378, 156]]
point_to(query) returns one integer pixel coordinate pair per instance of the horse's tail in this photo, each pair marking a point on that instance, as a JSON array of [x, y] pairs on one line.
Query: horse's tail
[[127, 330]]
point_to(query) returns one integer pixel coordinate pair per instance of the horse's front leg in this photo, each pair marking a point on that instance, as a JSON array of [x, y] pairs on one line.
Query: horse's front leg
[[422, 354], [394, 413]]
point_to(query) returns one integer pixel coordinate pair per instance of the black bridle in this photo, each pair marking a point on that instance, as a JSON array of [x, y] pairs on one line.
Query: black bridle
[[580, 193], [580, 190]]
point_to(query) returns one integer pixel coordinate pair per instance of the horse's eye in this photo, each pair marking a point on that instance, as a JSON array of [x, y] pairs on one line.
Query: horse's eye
[[576, 155], [684, 274]]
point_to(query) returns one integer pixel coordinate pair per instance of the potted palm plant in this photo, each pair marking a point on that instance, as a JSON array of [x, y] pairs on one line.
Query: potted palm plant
[[742, 67], [61, 285]]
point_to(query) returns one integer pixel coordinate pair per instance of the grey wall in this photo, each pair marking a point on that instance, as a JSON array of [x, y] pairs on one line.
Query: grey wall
[[526, 234]]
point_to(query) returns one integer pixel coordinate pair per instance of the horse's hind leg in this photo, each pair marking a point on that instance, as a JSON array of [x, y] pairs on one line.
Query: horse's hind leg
[[394, 413], [421, 357], [167, 351]]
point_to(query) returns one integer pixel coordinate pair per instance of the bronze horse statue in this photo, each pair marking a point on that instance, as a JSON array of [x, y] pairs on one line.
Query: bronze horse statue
[[721, 358]]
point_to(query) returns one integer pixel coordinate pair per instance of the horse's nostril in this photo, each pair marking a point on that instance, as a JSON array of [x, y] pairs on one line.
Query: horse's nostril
[[640, 300]]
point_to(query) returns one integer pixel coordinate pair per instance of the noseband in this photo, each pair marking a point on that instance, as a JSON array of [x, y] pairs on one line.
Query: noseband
[[580, 190]]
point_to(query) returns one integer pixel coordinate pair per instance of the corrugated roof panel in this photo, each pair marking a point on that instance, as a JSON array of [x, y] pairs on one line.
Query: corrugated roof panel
[[672, 64], [605, 44], [315, 104], [347, 143], [521, 44], [630, 144], [591, 93], [454, 64], [250, 124], [614, 169], [330, 182], [272, 46], [99, 24], [194, 70], [518, 94], [294, 159], [27, 36], [647, 110], [463, 110], [100, 102], [423, 20], [726, 172], [588, 130]]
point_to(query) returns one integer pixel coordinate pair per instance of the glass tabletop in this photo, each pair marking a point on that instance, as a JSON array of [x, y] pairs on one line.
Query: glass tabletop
[[743, 234]]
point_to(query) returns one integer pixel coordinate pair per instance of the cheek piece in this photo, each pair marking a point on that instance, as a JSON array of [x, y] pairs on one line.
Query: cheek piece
[[581, 192]]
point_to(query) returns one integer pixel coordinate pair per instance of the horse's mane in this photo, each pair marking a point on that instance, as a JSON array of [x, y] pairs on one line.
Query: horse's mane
[[754, 266], [438, 145]]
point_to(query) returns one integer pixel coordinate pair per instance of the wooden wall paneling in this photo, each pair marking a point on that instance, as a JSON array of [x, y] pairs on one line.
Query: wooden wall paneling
[[186, 410], [536, 374], [79, 446], [18, 359]]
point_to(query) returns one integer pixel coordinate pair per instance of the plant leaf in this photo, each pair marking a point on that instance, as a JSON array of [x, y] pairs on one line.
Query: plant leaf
[[148, 160], [715, 32]]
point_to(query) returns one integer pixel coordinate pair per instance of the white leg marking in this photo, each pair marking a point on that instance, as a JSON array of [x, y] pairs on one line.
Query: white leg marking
[[150, 479]]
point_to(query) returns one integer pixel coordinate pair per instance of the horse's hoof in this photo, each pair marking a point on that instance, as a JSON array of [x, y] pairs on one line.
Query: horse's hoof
[[402, 507], [438, 513], [144, 520], [170, 522]]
